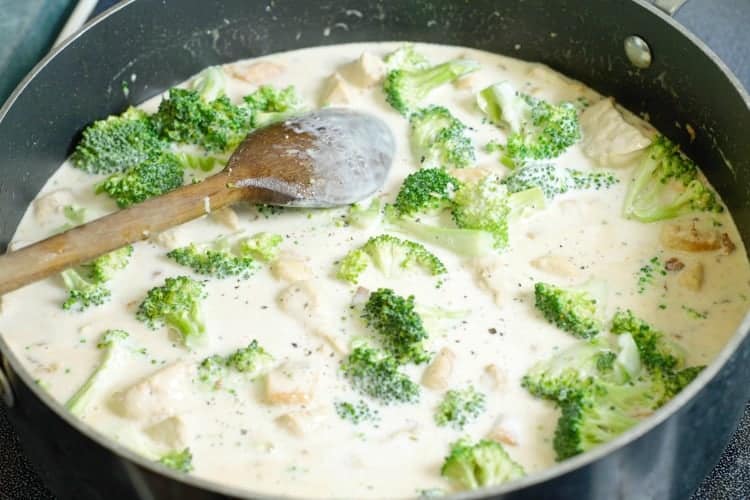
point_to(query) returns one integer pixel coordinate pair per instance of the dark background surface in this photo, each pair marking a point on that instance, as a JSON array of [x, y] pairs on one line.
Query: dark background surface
[[722, 24]]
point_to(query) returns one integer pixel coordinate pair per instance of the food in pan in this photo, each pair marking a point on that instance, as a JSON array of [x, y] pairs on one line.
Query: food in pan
[[541, 272]]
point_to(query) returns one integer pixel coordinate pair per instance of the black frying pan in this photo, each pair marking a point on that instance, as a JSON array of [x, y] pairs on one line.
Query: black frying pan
[[165, 41]]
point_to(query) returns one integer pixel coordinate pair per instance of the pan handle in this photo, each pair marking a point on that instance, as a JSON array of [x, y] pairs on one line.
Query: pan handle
[[669, 6]]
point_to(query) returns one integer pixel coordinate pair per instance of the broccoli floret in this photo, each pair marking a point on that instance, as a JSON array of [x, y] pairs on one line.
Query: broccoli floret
[[82, 294], [667, 184], [425, 191], [212, 370], [356, 413], [390, 255], [575, 311], [657, 353], [407, 58], [404, 89], [214, 259], [112, 343], [485, 463], [459, 407], [186, 117], [269, 105], [375, 374], [466, 242], [205, 163], [103, 268], [539, 130], [153, 177], [486, 205], [210, 83], [365, 217], [117, 143], [181, 461], [250, 360], [398, 324], [439, 139], [262, 246], [554, 181], [177, 305]]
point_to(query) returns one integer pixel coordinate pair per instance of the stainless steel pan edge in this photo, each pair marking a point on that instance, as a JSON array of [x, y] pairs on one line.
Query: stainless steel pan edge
[[606, 472]]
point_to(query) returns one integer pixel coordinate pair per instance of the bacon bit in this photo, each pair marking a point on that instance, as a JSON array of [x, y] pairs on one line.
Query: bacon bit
[[727, 244], [673, 264]]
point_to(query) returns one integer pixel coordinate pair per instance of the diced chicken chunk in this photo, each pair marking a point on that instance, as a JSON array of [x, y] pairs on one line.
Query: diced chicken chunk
[[437, 375], [226, 217], [365, 71], [300, 301], [301, 423], [170, 239], [556, 265], [608, 138], [504, 431], [291, 383], [51, 204], [335, 91], [171, 432], [690, 237], [468, 82], [487, 272], [290, 267], [493, 377], [567, 89], [256, 73], [158, 396], [691, 277]]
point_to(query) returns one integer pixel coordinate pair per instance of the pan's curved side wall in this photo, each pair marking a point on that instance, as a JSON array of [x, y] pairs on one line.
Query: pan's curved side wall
[[149, 45]]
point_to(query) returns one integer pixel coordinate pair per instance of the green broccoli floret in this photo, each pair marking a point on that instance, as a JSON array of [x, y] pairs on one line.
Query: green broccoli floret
[[404, 89], [251, 360], [657, 353], [459, 407], [210, 83], [82, 294], [112, 343], [117, 143], [269, 105], [177, 305], [205, 163], [425, 191], [186, 117], [212, 370], [407, 58], [398, 324], [539, 130], [181, 461], [575, 311], [466, 242], [440, 140], [103, 268], [365, 217], [375, 374], [356, 413], [390, 255], [214, 259], [262, 246], [667, 184], [152, 177], [486, 205], [485, 463], [554, 181]]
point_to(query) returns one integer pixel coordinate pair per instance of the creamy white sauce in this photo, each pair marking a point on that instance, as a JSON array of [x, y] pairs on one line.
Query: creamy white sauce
[[235, 438]]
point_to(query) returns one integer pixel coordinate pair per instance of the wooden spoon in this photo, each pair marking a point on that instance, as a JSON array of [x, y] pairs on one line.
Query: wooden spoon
[[323, 159]]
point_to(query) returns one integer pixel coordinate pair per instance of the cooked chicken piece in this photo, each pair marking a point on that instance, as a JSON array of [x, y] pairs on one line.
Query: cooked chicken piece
[[689, 237], [567, 88], [437, 375], [488, 275], [52, 204], [365, 71], [170, 239], [471, 174], [171, 432], [555, 264], [504, 431], [493, 377], [608, 139], [468, 82], [226, 217], [691, 277], [291, 383], [255, 73], [156, 397], [291, 267], [335, 91], [301, 423], [300, 301]]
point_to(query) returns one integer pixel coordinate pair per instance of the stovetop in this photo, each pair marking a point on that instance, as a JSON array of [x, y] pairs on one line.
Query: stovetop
[[723, 26]]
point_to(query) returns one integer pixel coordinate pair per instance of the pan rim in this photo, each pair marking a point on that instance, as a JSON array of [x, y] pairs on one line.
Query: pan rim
[[681, 400]]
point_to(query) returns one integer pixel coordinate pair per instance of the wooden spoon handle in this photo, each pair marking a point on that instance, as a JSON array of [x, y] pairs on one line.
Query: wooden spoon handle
[[116, 230]]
